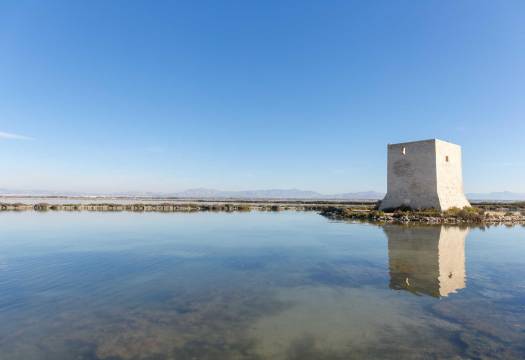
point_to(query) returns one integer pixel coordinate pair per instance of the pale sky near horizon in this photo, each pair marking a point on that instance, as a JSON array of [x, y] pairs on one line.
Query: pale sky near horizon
[[104, 96]]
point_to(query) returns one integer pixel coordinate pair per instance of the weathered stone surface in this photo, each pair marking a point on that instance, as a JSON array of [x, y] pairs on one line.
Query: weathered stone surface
[[423, 175]]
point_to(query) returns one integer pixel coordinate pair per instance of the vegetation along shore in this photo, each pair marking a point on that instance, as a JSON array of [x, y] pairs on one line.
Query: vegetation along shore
[[480, 213]]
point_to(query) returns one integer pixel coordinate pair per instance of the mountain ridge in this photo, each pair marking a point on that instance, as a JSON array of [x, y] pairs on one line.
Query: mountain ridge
[[205, 193], [293, 193]]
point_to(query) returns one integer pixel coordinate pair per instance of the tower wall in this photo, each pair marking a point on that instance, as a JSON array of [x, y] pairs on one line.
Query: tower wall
[[449, 175]]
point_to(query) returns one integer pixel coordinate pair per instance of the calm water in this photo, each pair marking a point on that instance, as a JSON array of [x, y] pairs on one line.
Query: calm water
[[255, 286]]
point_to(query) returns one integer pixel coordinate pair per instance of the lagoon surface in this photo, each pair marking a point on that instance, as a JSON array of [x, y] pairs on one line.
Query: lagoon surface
[[286, 285]]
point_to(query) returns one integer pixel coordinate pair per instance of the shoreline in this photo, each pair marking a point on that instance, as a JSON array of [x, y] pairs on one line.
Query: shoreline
[[180, 206], [510, 213], [414, 218]]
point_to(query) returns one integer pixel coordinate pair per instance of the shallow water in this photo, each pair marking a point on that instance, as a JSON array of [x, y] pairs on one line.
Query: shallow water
[[286, 285]]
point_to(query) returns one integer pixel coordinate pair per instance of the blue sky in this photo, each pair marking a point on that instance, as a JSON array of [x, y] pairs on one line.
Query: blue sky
[[167, 95]]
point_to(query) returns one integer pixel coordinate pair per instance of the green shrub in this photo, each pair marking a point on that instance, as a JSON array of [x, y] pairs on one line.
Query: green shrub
[[41, 207], [403, 209], [429, 212], [400, 213], [470, 214], [376, 213], [520, 204]]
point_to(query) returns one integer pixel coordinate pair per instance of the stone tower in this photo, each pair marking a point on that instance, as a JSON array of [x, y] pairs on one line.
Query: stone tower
[[423, 175]]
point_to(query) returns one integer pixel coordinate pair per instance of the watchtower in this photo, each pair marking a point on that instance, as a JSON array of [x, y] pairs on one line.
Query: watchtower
[[424, 174]]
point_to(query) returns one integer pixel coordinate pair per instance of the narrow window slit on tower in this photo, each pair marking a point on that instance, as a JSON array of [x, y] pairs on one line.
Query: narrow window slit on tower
[[446, 158]]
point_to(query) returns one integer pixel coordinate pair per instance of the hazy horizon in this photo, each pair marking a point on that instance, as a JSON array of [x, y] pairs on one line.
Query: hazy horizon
[[120, 96], [205, 193]]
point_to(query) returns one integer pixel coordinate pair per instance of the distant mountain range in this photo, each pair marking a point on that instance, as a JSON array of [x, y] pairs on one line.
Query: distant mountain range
[[304, 194], [277, 194], [203, 193]]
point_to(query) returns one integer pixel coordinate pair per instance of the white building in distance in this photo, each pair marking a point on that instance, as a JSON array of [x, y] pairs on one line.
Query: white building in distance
[[424, 175]]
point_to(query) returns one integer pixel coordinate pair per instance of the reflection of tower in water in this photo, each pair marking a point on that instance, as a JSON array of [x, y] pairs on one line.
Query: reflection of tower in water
[[426, 259]]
